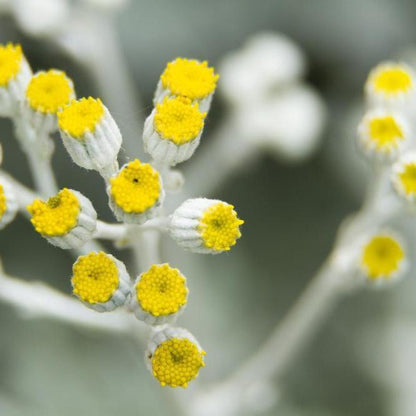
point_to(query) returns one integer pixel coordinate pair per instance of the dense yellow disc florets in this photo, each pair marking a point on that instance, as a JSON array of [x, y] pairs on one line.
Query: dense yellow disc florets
[[10, 62], [176, 362], [382, 257], [392, 80], [407, 179], [57, 216], [81, 116], [161, 290], [178, 120], [385, 132], [136, 188], [95, 278], [220, 227], [189, 78], [49, 92], [3, 202]]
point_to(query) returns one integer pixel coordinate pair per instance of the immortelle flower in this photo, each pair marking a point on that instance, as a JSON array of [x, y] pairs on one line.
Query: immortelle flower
[[404, 176], [90, 134], [383, 134], [48, 92], [205, 225], [100, 281], [136, 192], [159, 295], [391, 84], [8, 204], [188, 78], [382, 258], [174, 356], [173, 130], [67, 220], [15, 73]]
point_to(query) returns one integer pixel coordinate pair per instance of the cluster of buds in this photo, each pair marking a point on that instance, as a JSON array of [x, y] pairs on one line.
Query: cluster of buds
[[45, 102], [386, 136]]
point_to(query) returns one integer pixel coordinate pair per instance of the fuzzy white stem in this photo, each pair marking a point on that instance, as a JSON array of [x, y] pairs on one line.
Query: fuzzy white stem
[[37, 300], [291, 335], [38, 151]]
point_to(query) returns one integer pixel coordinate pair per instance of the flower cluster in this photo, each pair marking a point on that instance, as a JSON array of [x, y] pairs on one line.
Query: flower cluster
[[386, 137], [45, 102]]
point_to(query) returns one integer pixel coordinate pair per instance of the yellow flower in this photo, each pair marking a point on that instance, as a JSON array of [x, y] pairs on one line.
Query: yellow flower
[[205, 226], [67, 220], [100, 281], [175, 357], [135, 192], [382, 257], [160, 294]]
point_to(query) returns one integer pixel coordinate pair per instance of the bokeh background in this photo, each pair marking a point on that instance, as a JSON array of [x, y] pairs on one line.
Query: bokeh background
[[292, 211]]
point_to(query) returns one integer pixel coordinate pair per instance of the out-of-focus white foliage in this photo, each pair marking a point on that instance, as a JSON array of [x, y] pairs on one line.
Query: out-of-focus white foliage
[[40, 17], [277, 111]]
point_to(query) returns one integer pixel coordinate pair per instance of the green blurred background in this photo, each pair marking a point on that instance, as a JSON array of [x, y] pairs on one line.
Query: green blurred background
[[291, 211]]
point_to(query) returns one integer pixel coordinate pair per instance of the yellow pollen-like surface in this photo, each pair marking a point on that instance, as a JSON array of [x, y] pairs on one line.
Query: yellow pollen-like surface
[[393, 80], [95, 278], [385, 132], [382, 257], [81, 116], [10, 61], [176, 362], [161, 290], [178, 120], [3, 202], [57, 216], [136, 188], [408, 178], [220, 227], [49, 92], [189, 78]]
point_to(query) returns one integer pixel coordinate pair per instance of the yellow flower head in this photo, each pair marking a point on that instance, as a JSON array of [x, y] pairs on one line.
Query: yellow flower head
[[81, 116], [178, 120], [10, 62], [49, 92], [382, 257], [161, 290], [392, 79], [95, 278], [404, 176], [220, 227], [3, 202], [57, 216], [385, 132], [177, 361], [136, 188], [189, 78]]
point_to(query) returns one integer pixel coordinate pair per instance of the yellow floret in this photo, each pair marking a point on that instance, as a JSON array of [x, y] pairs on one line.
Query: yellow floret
[[81, 116], [392, 80], [189, 78], [95, 278], [57, 216], [136, 188], [49, 92], [10, 61], [161, 290], [178, 120], [385, 132], [382, 257], [176, 362], [408, 179], [3, 202], [219, 227]]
